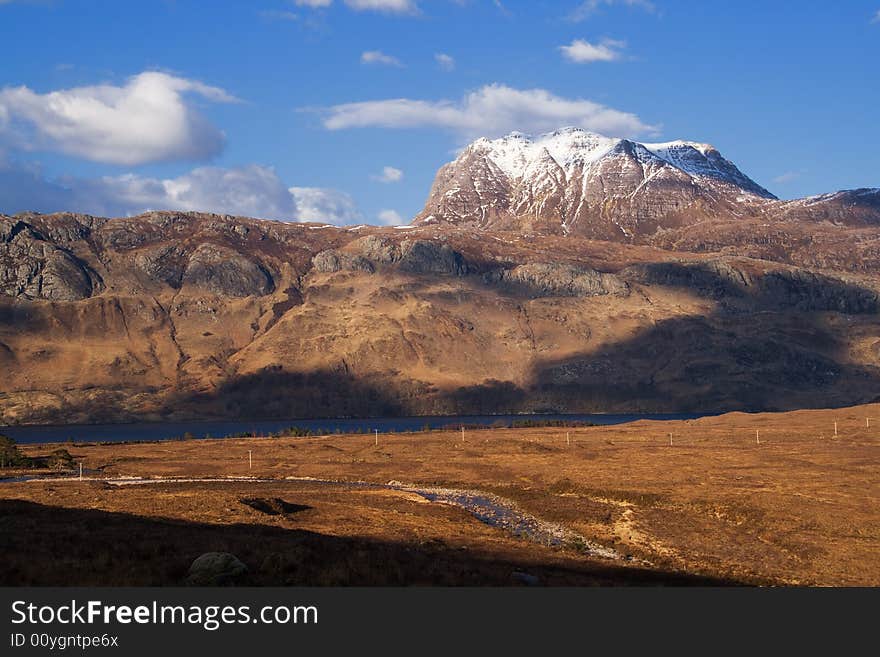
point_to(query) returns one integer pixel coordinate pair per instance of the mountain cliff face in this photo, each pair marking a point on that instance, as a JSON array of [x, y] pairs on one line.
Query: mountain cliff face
[[183, 315], [573, 182], [570, 273]]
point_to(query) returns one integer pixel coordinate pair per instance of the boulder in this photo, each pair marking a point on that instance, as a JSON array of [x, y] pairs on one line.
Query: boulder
[[216, 569]]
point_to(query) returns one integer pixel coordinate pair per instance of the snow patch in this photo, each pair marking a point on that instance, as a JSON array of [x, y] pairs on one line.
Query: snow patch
[[569, 147], [521, 157]]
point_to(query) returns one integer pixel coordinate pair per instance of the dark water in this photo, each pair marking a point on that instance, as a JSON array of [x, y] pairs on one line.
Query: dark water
[[117, 433]]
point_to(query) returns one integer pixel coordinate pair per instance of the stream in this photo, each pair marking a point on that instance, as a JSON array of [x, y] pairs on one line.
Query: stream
[[489, 509]]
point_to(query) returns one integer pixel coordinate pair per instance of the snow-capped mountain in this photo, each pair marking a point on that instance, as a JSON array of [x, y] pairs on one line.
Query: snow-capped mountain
[[574, 181], [852, 207]]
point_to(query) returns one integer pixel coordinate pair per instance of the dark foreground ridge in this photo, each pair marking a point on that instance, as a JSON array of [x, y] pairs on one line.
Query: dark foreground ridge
[[52, 546]]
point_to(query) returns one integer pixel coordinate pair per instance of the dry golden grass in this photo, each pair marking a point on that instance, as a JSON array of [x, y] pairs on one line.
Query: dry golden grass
[[801, 507]]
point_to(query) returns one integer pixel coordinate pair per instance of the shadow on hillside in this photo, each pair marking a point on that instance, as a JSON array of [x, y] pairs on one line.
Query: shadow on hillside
[[712, 364], [22, 317], [795, 289], [752, 361], [725, 361], [54, 546], [768, 345], [275, 393]]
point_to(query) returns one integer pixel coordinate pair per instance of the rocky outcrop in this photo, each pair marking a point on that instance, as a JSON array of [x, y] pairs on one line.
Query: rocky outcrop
[[377, 249], [34, 268], [63, 229], [714, 279], [773, 289], [806, 290], [62, 278], [330, 261], [556, 280], [165, 263], [221, 270], [431, 257], [413, 256]]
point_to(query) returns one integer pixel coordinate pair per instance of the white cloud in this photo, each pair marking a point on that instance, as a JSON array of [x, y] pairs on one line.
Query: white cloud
[[325, 205], [580, 51], [146, 120], [876, 18], [314, 4], [379, 57], [389, 175], [444, 61], [589, 7], [390, 218], [251, 191], [385, 6], [492, 110]]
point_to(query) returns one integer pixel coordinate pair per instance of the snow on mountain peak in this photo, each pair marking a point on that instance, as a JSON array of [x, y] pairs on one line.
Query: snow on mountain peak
[[681, 144], [517, 153]]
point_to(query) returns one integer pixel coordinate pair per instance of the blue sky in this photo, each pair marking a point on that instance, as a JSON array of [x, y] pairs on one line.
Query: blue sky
[[344, 109]]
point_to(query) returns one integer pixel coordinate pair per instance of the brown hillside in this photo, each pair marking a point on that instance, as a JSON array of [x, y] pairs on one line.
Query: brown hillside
[[170, 315]]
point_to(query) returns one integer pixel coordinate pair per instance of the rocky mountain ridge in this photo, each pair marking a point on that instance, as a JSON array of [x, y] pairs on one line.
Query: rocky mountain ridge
[[186, 315], [575, 182], [568, 273]]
